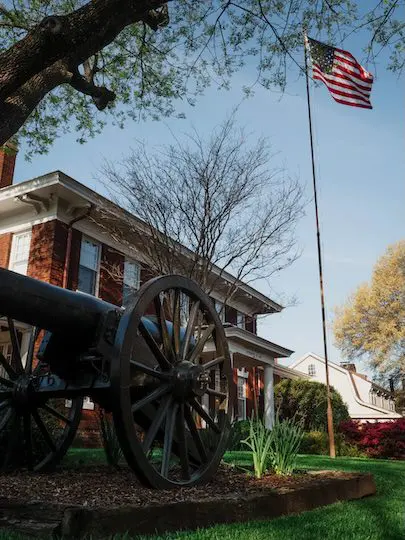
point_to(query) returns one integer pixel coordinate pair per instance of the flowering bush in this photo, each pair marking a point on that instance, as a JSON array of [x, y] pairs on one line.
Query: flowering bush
[[377, 439]]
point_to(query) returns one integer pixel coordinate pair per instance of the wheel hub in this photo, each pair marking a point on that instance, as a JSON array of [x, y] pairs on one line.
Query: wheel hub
[[189, 380], [24, 393]]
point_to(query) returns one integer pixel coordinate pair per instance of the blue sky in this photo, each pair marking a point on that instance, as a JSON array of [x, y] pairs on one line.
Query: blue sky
[[361, 187]]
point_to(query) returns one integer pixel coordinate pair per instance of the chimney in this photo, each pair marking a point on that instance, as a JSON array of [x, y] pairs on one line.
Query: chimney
[[348, 366], [8, 155]]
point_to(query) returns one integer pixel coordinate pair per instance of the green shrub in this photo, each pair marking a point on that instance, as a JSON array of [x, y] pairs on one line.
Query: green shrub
[[258, 441], [239, 433], [306, 401], [285, 441], [317, 442]]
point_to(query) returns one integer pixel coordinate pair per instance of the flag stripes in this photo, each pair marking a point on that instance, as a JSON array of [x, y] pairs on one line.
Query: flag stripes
[[347, 81]]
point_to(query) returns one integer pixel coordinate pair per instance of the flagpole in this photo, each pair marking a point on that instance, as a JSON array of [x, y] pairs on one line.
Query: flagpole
[[332, 451]]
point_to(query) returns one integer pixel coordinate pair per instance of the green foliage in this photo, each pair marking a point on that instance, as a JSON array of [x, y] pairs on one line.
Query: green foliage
[[258, 440], [276, 448], [153, 73], [370, 324], [286, 437], [317, 442], [239, 432], [112, 448], [306, 401]]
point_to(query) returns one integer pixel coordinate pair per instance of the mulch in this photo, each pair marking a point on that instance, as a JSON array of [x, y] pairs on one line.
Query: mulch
[[102, 487]]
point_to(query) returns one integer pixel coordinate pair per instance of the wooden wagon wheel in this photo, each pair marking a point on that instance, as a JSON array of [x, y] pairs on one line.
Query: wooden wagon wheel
[[35, 431], [170, 384]]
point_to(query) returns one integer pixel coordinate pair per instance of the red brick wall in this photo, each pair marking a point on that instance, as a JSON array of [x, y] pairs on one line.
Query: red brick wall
[[111, 275], [73, 271], [7, 165], [230, 315], [5, 248], [47, 252]]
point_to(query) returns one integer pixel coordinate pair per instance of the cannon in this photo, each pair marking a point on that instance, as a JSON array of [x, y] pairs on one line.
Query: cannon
[[161, 366]]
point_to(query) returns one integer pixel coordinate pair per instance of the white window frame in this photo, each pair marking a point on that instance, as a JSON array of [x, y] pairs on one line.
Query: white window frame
[[19, 263], [96, 270], [133, 285], [184, 308], [311, 370], [6, 350], [220, 309], [241, 320], [241, 395]]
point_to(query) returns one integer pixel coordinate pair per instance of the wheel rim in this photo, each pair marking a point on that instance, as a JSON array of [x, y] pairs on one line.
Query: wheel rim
[[171, 386], [35, 432]]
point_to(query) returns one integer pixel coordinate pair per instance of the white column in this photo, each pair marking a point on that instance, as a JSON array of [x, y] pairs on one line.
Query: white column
[[268, 397], [25, 341]]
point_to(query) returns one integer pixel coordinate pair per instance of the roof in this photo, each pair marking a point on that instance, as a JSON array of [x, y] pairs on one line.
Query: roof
[[40, 191], [352, 375]]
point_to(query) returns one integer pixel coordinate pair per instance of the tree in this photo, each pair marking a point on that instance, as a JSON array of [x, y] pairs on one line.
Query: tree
[[371, 324], [60, 58], [306, 401], [209, 209]]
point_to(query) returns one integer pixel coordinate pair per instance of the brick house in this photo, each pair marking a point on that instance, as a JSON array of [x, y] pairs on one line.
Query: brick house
[[46, 233]]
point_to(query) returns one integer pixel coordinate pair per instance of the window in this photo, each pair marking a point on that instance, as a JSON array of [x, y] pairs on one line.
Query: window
[[184, 309], [20, 251], [311, 370], [131, 281], [89, 266], [240, 320], [373, 397], [5, 350], [241, 398], [220, 309]]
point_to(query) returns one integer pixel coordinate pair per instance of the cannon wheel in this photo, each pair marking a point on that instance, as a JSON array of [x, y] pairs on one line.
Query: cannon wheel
[[171, 403], [36, 430]]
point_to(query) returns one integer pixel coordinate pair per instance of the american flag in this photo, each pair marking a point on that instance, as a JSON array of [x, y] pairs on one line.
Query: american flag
[[347, 81]]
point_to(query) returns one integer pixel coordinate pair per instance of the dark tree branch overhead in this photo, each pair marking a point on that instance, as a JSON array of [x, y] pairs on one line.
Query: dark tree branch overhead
[[58, 45], [133, 62]]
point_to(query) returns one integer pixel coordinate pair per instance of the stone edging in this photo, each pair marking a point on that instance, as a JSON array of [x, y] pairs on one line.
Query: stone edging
[[74, 522]]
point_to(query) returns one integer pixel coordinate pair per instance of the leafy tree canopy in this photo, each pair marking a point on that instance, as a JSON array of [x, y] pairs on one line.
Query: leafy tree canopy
[[307, 401], [72, 64], [371, 324]]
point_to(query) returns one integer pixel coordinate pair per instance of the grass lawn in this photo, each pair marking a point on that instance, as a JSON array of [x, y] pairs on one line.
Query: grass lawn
[[381, 517]]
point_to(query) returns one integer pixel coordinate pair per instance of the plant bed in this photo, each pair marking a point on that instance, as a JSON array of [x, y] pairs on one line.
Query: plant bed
[[101, 502]]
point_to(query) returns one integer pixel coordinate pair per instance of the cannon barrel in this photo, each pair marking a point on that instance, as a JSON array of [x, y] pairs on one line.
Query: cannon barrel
[[49, 307]]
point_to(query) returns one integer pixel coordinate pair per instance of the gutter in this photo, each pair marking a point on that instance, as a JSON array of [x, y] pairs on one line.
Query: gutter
[[86, 212]]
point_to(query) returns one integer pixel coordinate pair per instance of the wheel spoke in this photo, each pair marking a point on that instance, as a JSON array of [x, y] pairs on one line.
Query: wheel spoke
[[5, 404], [151, 397], [176, 322], [204, 415], [28, 439], [182, 443], [7, 367], [156, 423], [6, 382], [12, 440], [194, 433], [213, 363], [31, 347], [16, 354], [43, 430], [154, 347], [56, 414], [150, 371], [168, 440], [167, 346], [189, 330], [198, 349], [216, 393]]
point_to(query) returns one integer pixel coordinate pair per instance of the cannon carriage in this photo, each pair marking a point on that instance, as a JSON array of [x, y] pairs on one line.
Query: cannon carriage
[[161, 367]]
